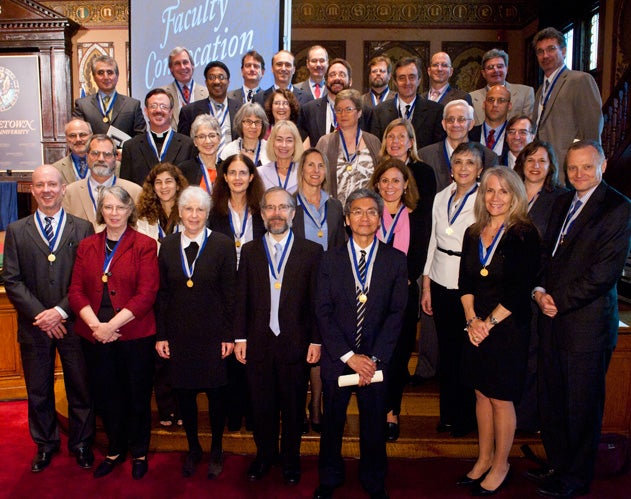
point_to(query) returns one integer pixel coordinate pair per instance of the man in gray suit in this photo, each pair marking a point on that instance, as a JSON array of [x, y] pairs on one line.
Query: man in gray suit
[[317, 64], [75, 166], [439, 72], [252, 71], [494, 71], [107, 111], [569, 107], [39, 254], [183, 88]]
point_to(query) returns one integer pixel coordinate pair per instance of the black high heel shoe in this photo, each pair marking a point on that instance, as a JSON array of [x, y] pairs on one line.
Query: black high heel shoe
[[479, 491], [466, 481]]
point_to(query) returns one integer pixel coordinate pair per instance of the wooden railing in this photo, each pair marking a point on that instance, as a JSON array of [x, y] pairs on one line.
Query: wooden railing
[[616, 137]]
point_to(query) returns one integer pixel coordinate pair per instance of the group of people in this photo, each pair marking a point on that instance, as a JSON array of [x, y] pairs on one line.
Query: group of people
[[261, 240]]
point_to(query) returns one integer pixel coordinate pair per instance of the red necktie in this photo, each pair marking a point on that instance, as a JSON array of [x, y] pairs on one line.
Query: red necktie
[[490, 139], [186, 93], [317, 90]]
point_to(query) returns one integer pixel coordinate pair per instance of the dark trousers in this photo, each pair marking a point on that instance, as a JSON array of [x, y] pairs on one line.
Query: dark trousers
[[166, 399], [457, 401], [526, 409], [238, 396], [38, 361], [571, 405], [398, 367], [187, 399], [121, 376], [278, 391], [373, 462]]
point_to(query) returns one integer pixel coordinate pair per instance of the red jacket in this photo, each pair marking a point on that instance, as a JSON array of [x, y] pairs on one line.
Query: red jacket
[[133, 283]]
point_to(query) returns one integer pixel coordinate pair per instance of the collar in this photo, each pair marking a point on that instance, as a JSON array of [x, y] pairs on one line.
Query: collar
[[271, 241], [199, 239], [587, 195], [56, 216], [93, 184], [75, 157], [103, 94], [366, 249], [316, 84], [439, 90], [223, 102], [554, 74]]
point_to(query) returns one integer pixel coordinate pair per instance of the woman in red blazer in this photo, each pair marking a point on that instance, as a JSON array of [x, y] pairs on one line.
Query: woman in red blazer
[[114, 284]]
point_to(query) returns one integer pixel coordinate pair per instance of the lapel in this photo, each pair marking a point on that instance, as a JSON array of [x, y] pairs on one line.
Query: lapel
[[33, 233], [68, 231], [261, 269], [119, 103], [86, 201], [291, 269], [146, 150], [124, 246], [347, 278], [553, 96]]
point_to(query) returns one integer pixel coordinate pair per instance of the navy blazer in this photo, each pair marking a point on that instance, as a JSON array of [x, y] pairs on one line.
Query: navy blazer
[[191, 111], [301, 96], [336, 307], [475, 135], [334, 220]]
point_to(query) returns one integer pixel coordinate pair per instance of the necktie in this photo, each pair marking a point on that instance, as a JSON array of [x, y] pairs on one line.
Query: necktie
[[361, 306], [83, 167], [317, 90], [567, 225], [546, 86], [249, 97], [106, 100], [434, 95], [48, 228], [490, 139], [407, 111], [274, 325], [186, 92], [191, 252]]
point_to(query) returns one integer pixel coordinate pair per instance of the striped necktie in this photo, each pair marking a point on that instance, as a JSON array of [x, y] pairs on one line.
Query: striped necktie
[[48, 228], [361, 305]]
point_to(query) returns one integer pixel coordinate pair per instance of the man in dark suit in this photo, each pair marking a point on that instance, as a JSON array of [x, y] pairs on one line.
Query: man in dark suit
[[379, 74], [424, 115], [39, 254], [252, 71], [492, 132], [108, 111], [588, 243], [218, 104], [160, 144], [283, 68], [362, 294], [317, 63], [439, 71], [275, 325]]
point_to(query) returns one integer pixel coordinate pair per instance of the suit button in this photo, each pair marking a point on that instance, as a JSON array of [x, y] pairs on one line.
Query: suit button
[[113, 292], [118, 310]]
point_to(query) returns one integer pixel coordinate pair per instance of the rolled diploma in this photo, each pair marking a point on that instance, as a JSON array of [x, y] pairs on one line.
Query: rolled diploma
[[353, 379]]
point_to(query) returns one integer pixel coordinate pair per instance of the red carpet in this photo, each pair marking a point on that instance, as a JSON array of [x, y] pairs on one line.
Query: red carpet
[[408, 478]]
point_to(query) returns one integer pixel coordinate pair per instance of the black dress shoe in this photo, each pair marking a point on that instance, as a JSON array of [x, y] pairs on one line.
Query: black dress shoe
[[107, 466], [541, 475], [257, 470], [323, 492], [305, 426], [466, 481], [139, 468], [291, 477], [460, 431], [215, 467], [190, 463], [316, 427], [557, 488], [42, 459], [478, 490], [84, 457], [444, 427], [392, 432]]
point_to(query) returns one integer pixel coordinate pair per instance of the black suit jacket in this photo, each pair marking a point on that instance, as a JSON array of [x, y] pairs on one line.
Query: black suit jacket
[[426, 120], [126, 114], [191, 111], [475, 135], [336, 307], [541, 210], [582, 275], [452, 94], [139, 158], [302, 96], [33, 284], [220, 223], [296, 309], [334, 220]]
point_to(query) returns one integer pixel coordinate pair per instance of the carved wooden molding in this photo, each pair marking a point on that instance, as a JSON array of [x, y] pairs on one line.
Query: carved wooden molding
[[93, 13]]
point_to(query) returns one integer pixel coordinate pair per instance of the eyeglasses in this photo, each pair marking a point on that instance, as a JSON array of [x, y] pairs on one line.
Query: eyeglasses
[[211, 136], [521, 133], [316, 61], [282, 208], [498, 100], [162, 107], [256, 123], [456, 119], [370, 213], [551, 49], [345, 110], [106, 154], [401, 137], [216, 77], [80, 135], [491, 67], [378, 71], [110, 208], [335, 74], [280, 103], [238, 173], [103, 72], [438, 65]]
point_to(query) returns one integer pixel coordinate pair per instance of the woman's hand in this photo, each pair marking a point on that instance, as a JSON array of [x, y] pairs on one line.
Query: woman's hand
[[162, 347], [103, 332], [478, 330], [426, 301]]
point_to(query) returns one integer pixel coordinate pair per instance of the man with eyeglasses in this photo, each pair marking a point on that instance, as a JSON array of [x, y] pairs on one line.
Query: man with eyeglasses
[[75, 166], [107, 111], [82, 196], [492, 132], [160, 144], [183, 89], [519, 133], [317, 64], [568, 103], [494, 70], [252, 71], [218, 104], [379, 74], [362, 294], [424, 115], [276, 336], [457, 123], [283, 69], [317, 118], [439, 72]]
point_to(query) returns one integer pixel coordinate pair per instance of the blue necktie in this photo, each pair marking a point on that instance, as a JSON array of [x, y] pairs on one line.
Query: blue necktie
[[361, 306], [275, 294]]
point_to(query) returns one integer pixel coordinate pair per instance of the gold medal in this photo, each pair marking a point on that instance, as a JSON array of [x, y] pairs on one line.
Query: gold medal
[[52, 258], [104, 278], [349, 168], [449, 231], [363, 298], [277, 284], [237, 243], [189, 283], [106, 119], [484, 272], [320, 233]]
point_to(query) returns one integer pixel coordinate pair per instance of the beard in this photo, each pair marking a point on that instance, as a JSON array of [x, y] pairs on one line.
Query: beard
[[278, 229]]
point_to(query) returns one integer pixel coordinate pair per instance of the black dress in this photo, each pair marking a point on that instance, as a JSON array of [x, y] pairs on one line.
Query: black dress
[[497, 366]]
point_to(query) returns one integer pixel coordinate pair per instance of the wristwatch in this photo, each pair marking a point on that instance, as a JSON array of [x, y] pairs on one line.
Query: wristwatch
[[493, 321]]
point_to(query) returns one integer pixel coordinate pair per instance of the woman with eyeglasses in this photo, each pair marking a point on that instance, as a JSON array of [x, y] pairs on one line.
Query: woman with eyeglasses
[[281, 105], [350, 152], [284, 149], [202, 170], [252, 125], [406, 227]]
